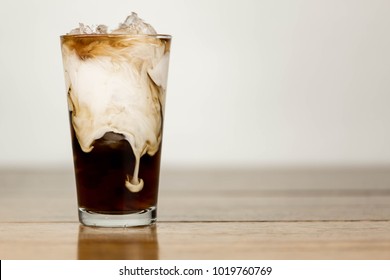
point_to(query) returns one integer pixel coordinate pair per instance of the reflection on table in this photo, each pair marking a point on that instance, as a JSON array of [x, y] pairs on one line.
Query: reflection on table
[[138, 243]]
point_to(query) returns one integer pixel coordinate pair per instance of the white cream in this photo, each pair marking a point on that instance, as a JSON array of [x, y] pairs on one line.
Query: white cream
[[120, 88]]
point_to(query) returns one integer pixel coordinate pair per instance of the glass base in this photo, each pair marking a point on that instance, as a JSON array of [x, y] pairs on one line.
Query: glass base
[[142, 218]]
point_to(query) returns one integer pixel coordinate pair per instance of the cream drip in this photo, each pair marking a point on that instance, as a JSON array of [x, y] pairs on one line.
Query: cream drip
[[117, 84]]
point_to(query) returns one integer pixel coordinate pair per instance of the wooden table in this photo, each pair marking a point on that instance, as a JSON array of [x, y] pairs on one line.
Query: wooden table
[[339, 213]]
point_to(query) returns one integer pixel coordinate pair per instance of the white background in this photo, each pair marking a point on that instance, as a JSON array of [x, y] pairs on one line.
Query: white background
[[251, 82]]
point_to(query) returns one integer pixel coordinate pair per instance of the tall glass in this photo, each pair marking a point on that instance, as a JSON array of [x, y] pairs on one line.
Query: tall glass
[[116, 86]]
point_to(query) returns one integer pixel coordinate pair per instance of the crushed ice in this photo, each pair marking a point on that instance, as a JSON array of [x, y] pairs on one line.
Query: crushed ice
[[132, 25]]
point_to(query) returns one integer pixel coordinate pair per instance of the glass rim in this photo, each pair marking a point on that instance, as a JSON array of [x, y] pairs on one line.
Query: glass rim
[[159, 36]]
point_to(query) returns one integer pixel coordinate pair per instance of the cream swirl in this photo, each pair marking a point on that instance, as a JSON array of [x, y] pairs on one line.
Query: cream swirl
[[116, 83]]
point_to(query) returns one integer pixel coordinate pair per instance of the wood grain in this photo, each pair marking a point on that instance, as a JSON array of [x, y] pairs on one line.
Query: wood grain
[[213, 240], [329, 213]]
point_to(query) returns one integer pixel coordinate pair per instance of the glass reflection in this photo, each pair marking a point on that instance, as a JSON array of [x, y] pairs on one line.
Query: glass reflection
[[138, 243]]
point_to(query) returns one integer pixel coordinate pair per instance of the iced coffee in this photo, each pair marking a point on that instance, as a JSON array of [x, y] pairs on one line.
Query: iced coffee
[[116, 84]]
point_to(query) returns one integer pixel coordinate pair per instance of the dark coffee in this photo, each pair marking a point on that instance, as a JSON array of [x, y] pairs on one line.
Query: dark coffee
[[101, 176]]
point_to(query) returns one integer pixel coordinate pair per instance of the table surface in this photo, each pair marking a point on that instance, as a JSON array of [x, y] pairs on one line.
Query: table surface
[[317, 213]]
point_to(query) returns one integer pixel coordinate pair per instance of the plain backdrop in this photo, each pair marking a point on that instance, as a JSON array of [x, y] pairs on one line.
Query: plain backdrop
[[251, 82]]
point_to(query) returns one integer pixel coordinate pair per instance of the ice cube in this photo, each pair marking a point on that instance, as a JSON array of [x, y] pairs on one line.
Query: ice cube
[[86, 29], [83, 29], [134, 25], [112, 136], [101, 29]]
